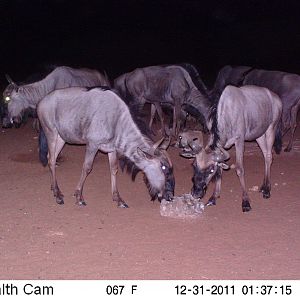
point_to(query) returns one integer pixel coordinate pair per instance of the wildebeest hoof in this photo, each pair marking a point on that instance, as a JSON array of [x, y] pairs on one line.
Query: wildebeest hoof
[[266, 192], [60, 201], [287, 149], [81, 203], [246, 206], [211, 202], [122, 205]]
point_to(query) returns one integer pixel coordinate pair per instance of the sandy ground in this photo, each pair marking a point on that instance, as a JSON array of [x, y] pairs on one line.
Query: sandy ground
[[42, 240]]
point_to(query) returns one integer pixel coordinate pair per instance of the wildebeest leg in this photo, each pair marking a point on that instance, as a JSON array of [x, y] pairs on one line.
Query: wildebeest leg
[[293, 125], [217, 191], [55, 144], [90, 153], [152, 115], [161, 117], [176, 118], [265, 143], [113, 164], [239, 150], [36, 124]]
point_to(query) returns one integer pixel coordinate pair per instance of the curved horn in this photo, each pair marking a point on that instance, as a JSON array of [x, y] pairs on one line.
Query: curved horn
[[166, 143], [157, 144], [225, 154], [155, 147], [195, 147], [9, 79], [221, 155]]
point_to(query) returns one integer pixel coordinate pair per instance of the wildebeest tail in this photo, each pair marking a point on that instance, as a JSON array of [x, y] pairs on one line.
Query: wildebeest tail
[[278, 138], [43, 148]]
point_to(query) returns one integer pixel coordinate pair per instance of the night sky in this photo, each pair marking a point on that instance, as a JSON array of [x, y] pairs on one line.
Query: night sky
[[118, 36]]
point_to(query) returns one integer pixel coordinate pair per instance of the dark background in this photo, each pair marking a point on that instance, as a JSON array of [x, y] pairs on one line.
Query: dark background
[[118, 36]]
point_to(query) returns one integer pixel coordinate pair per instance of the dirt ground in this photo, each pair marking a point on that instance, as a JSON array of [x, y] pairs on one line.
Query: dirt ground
[[42, 240]]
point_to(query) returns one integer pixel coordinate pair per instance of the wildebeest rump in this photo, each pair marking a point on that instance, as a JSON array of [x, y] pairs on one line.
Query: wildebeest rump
[[177, 85], [27, 96], [101, 120], [241, 114], [285, 85]]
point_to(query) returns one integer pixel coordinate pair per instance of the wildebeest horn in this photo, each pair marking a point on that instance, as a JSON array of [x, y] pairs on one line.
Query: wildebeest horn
[[195, 147], [9, 79], [221, 155], [157, 144], [155, 147], [165, 143]]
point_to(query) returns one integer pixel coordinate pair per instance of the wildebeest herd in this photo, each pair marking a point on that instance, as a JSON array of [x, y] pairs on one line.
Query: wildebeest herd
[[82, 106]]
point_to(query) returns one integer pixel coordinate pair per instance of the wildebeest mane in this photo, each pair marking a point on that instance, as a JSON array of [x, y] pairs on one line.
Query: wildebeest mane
[[195, 76], [42, 73], [244, 74], [125, 94], [126, 164], [213, 117], [191, 110]]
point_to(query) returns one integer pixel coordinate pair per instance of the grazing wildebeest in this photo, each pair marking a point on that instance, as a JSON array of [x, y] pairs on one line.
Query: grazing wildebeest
[[100, 119], [19, 98], [177, 85], [242, 114], [285, 85]]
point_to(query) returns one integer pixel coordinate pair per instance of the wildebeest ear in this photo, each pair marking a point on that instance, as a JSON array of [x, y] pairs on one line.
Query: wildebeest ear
[[9, 79], [223, 166], [195, 147], [144, 154]]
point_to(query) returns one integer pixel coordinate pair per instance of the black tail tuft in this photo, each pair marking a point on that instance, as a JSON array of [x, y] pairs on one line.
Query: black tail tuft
[[278, 139], [43, 148]]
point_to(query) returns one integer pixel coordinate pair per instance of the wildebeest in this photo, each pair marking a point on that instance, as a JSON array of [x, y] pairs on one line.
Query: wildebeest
[[242, 114], [19, 98], [177, 85], [100, 119], [285, 85]]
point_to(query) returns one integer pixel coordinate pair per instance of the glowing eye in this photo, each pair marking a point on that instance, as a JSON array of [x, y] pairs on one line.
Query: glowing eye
[[180, 137], [7, 98], [164, 167], [212, 170]]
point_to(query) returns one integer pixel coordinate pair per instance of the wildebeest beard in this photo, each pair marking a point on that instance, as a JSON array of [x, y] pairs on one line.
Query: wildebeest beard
[[169, 186], [20, 119], [152, 191], [132, 169]]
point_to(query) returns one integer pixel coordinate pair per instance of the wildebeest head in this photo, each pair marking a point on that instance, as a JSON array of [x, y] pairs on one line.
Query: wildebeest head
[[207, 166], [159, 172], [191, 143], [15, 104]]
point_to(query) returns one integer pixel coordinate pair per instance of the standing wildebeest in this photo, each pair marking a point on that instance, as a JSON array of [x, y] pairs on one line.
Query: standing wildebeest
[[242, 114], [20, 98], [177, 85], [101, 120], [285, 85]]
